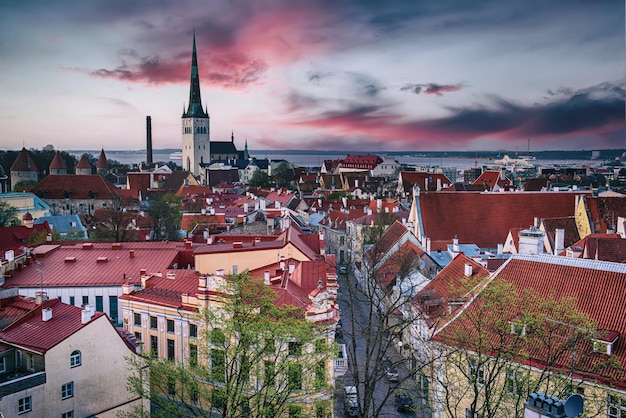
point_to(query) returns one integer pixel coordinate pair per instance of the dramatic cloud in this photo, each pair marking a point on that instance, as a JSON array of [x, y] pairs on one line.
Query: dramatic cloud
[[431, 88]]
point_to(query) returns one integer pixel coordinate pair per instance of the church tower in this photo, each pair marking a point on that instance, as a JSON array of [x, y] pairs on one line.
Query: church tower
[[195, 126]]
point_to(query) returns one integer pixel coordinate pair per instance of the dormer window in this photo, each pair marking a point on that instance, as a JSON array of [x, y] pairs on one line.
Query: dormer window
[[518, 328], [604, 341]]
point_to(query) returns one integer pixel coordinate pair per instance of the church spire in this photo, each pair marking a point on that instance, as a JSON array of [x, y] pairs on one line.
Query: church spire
[[195, 102]]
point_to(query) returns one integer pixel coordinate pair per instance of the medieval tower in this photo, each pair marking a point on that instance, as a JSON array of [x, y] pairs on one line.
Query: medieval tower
[[195, 124]]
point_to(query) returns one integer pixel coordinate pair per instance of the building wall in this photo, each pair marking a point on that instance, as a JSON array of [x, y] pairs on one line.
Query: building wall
[[64, 293], [24, 202], [248, 260], [17, 176], [99, 382], [77, 206]]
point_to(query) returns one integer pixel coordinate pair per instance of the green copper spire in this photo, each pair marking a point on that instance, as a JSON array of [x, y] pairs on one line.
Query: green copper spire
[[195, 102]]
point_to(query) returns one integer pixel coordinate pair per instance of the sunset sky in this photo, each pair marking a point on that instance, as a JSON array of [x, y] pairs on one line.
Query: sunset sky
[[316, 74]]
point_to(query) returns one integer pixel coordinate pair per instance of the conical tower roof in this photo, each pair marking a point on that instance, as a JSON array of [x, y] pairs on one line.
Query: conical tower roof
[[102, 161], [194, 110], [24, 162], [57, 162], [83, 163]]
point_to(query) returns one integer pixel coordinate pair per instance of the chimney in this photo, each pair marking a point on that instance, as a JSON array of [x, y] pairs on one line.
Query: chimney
[[40, 297], [148, 139], [537, 222], [266, 277], [500, 249], [455, 245], [292, 267], [438, 184], [86, 314], [282, 263], [131, 253], [46, 314], [531, 241], [202, 283], [559, 241], [428, 245], [468, 270]]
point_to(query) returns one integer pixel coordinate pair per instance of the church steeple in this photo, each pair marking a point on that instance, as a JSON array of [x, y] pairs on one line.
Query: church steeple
[[195, 102]]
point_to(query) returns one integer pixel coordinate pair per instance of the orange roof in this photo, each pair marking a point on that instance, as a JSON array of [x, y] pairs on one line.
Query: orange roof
[[102, 161], [492, 178], [24, 162], [598, 290], [83, 163], [486, 218], [62, 186], [57, 162]]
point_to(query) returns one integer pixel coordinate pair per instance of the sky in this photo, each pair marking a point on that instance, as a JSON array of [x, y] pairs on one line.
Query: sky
[[342, 75]]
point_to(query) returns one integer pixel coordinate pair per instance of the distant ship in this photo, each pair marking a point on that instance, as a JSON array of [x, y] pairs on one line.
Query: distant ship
[[178, 155], [515, 164]]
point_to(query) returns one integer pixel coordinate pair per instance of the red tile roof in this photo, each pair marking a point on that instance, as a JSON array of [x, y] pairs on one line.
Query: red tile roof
[[57, 186], [492, 178], [598, 290], [17, 237], [102, 161], [368, 162], [83, 163], [57, 162], [78, 265], [167, 290], [24, 162], [604, 212], [400, 264], [426, 181], [14, 308], [40, 336], [485, 218]]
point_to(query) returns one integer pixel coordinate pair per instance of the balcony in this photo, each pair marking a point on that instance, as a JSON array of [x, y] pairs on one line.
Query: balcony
[[341, 362], [18, 382]]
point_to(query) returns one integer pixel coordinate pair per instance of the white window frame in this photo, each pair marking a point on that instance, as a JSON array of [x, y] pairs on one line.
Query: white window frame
[[68, 414], [67, 390], [3, 364], [518, 328], [31, 363], [616, 406], [24, 404], [19, 358], [512, 378], [476, 371], [76, 359]]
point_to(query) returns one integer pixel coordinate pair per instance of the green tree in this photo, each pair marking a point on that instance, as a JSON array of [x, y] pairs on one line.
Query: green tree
[[255, 359], [8, 214], [260, 179], [166, 217], [484, 373], [283, 175]]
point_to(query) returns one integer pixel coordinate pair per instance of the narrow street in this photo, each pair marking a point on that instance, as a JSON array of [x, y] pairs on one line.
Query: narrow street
[[361, 314]]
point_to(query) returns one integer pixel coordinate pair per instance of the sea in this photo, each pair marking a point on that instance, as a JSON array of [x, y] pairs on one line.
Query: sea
[[460, 160]]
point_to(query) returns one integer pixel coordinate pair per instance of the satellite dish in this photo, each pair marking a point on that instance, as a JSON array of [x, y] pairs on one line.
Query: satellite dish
[[574, 405]]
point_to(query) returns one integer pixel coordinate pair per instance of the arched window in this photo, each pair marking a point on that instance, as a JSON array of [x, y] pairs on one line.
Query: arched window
[[75, 359]]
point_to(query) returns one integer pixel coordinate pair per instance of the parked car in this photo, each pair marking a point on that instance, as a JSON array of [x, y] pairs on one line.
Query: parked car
[[392, 374], [404, 403]]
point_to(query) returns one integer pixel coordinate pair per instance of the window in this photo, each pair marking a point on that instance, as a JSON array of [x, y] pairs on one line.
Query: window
[[137, 319], [602, 347], [154, 346], [423, 386], [468, 414], [99, 304], [171, 385], [513, 382], [85, 300], [170, 326], [218, 365], [72, 300], [193, 355], [170, 350], [218, 337], [113, 309], [616, 407], [75, 358], [193, 331], [19, 358], [67, 390], [476, 372], [320, 374], [153, 322], [68, 414], [193, 391], [321, 411], [244, 370], [294, 376], [31, 363], [24, 404], [295, 348], [270, 374], [138, 336], [295, 411], [3, 367]]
